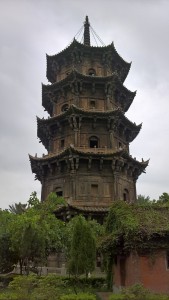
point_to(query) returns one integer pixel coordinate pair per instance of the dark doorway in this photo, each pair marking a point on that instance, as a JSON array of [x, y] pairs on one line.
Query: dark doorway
[[126, 195], [93, 142], [122, 271]]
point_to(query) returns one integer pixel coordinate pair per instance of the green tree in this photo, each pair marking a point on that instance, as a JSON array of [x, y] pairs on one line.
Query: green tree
[[53, 201], [33, 200], [83, 249], [7, 257], [34, 235], [141, 199], [164, 198], [17, 208]]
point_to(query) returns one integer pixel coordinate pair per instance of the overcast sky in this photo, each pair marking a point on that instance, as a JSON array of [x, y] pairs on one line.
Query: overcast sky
[[31, 28]]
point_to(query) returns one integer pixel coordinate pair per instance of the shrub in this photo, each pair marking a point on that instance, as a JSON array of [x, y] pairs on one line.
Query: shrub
[[137, 292], [80, 296], [117, 297], [93, 282], [6, 279], [33, 288], [8, 296]]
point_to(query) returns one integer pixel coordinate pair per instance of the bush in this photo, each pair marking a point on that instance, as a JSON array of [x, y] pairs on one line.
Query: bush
[[33, 287], [80, 296], [93, 282], [53, 287], [137, 292], [117, 297], [8, 296], [6, 279]]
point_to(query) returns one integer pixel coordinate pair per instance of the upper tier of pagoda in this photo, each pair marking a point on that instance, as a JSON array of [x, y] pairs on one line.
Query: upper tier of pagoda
[[105, 60], [76, 53], [114, 119], [76, 82]]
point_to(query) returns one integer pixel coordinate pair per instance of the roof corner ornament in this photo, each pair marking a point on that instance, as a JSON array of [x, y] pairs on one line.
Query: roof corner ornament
[[86, 32]]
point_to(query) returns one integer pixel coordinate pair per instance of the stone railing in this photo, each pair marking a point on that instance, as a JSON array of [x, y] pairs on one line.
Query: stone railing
[[100, 150]]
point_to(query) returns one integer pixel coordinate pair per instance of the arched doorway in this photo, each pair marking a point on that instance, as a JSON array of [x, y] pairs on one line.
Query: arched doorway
[[93, 142]]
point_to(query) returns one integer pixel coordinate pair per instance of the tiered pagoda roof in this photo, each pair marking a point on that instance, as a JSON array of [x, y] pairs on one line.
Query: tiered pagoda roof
[[121, 93], [44, 126], [108, 55], [119, 158]]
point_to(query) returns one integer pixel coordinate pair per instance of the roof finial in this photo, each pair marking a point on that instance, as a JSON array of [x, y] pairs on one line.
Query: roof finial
[[86, 32]]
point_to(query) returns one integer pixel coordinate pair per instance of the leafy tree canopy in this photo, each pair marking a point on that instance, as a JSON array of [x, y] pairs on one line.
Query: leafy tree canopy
[[136, 227], [17, 208], [164, 198], [31, 233], [141, 199], [83, 249]]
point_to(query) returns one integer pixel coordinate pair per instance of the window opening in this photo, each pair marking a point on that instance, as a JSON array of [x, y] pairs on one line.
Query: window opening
[[62, 143], [120, 146], [98, 260], [91, 72], [59, 192], [122, 271], [167, 259], [92, 104], [93, 142], [64, 107], [126, 195], [94, 189]]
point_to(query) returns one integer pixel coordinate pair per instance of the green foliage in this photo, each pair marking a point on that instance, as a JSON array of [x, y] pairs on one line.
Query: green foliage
[[133, 227], [8, 257], [141, 200], [31, 231], [53, 287], [27, 237], [33, 288], [121, 217], [52, 202], [32, 235], [90, 282], [34, 201], [137, 292], [83, 250], [79, 296], [48, 287], [96, 229], [117, 297], [17, 208], [164, 199], [5, 280]]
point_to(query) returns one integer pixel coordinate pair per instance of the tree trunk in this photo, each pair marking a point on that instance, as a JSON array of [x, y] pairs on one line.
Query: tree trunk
[[20, 265]]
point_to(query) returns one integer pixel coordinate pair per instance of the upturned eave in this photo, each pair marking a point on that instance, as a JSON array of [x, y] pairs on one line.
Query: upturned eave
[[108, 154], [52, 60], [90, 114], [49, 90]]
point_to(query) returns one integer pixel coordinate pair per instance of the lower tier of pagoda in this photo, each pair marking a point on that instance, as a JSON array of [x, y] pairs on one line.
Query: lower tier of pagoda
[[93, 178], [67, 212]]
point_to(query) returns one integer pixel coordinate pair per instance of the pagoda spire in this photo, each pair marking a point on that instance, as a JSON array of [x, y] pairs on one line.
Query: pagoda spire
[[86, 32]]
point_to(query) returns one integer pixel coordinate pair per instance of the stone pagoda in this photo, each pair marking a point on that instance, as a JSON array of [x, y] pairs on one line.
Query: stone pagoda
[[87, 134]]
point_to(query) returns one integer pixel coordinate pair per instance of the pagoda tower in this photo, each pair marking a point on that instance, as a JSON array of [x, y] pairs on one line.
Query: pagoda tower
[[87, 134]]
